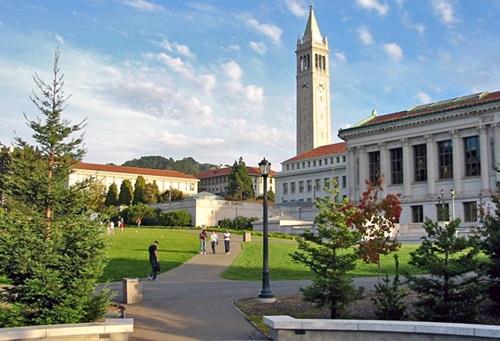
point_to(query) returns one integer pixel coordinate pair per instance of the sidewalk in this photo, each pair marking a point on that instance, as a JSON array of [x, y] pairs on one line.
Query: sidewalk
[[192, 302]]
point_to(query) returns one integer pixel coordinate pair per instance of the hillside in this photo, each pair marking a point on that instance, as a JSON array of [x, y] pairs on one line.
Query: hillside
[[187, 165]]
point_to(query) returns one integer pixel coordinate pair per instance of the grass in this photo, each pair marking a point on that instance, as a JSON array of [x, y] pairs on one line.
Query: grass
[[248, 266], [129, 257]]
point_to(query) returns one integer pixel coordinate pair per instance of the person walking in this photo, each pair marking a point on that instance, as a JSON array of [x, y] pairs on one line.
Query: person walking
[[203, 242], [154, 260], [227, 241], [138, 222], [214, 240]]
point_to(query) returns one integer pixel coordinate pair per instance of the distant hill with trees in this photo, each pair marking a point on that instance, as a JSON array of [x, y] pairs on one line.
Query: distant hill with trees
[[187, 165]]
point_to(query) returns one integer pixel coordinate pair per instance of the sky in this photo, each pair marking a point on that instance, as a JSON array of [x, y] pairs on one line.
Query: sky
[[215, 80]]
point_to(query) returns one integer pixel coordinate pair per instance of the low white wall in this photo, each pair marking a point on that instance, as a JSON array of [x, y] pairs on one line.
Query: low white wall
[[111, 329], [286, 328]]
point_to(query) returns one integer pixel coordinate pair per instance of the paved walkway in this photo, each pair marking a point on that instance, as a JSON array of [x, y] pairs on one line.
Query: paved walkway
[[192, 302]]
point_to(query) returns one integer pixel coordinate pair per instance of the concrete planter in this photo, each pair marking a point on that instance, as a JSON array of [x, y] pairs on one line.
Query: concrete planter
[[110, 329]]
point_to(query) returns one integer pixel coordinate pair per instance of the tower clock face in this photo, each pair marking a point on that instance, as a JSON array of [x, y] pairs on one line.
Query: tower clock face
[[304, 85]]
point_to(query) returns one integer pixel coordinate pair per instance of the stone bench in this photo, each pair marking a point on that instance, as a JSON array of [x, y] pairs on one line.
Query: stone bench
[[111, 329], [286, 328]]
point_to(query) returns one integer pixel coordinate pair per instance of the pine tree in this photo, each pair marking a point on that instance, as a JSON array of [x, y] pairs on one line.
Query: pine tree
[[330, 254], [240, 186], [491, 247], [454, 288], [49, 250], [139, 190], [126, 193], [112, 196]]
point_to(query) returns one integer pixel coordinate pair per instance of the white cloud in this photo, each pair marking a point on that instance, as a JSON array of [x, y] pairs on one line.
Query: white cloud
[[365, 36], [271, 31], [394, 51], [340, 56], [258, 47], [232, 70], [178, 48], [254, 93], [143, 5], [59, 39], [419, 27], [297, 8], [444, 10], [375, 5], [423, 98]]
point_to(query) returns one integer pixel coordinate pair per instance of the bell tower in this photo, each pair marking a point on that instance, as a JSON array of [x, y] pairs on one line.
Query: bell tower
[[313, 88]]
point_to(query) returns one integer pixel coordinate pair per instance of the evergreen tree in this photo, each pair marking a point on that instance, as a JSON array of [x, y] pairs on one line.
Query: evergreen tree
[[330, 254], [112, 196], [454, 289], [240, 186], [139, 190], [491, 247], [151, 193], [49, 250], [126, 193]]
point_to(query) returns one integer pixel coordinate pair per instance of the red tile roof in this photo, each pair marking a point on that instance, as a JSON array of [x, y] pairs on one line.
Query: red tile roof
[[329, 149], [132, 170], [215, 172], [433, 108]]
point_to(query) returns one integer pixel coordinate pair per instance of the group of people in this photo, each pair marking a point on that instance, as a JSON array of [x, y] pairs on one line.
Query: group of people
[[214, 241], [111, 225]]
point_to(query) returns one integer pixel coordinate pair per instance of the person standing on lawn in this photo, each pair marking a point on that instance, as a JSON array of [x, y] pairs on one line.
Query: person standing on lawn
[[154, 260]]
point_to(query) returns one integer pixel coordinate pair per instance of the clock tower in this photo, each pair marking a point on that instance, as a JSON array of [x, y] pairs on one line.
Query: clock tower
[[313, 88]]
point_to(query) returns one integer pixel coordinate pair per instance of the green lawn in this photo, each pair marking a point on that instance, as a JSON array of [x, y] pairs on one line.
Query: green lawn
[[248, 266], [129, 255]]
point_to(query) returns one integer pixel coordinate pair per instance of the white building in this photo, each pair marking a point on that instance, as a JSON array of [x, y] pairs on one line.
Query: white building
[[216, 180], [438, 152], [447, 150], [109, 174]]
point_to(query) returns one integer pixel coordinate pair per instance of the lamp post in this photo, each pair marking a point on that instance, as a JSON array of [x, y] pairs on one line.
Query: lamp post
[[452, 204], [265, 295]]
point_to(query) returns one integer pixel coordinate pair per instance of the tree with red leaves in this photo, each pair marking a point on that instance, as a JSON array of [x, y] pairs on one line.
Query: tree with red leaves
[[376, 218]]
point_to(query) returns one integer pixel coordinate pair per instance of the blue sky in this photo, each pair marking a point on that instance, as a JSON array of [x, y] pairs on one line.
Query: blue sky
[[215, 80]]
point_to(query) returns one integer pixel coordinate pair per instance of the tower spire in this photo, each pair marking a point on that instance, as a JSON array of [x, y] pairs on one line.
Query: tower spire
[[312, 32]]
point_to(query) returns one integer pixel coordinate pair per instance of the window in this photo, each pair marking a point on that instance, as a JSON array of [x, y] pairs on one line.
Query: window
[[470, 211], [287, 167], [374, 166], [337, 183], [472, 156], [318, 184], [445, 159], [314, 163], [344, 181], [293, 187], [320, 162], [343, 158], [397, 166], [326, 182], [420, 159], [301, 186], [417, 214], [309, 185], [338, 159], [285, 188], [298, 165]]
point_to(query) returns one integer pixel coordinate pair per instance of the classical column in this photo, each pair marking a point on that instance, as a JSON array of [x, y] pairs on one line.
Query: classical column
[[363, 170], [352, 172], [485, 167], [431, 165], [385, 171], [496, 158], [457, 161], [407, 168]]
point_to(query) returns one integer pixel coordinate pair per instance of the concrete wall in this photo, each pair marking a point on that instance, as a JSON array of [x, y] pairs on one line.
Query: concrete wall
[[111, 329], [286, 328]]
